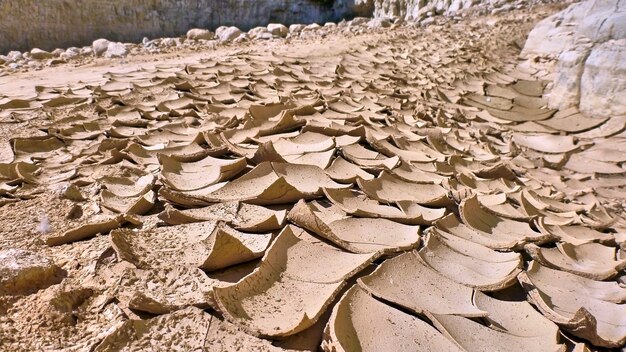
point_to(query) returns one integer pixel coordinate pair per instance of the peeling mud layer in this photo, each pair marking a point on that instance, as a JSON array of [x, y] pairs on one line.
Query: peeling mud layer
[[347, 190]]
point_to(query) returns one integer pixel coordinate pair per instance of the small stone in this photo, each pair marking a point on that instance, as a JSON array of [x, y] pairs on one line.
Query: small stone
[[296, 28], [243, 37], [379, 23], [311, 27], [116, 50], [278, 30], [57, 52], [13, 56], [427, 21], [259, 33], [168, 42], [199, 33], [358, 21]]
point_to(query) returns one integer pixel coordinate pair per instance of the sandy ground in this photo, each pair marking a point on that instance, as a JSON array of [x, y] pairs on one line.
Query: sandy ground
[[328, 192]]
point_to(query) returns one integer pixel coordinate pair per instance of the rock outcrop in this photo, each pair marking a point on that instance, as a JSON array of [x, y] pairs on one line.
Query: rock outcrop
[[27, 24], [417, 10], [25, 272], [588, 42]]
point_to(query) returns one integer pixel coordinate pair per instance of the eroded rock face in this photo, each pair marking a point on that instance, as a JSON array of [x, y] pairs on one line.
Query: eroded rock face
[[24, 272], [588, 42], [420, 9], [28, 24]]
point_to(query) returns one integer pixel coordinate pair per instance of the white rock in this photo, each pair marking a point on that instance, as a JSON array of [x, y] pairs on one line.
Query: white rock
[[199, 33], [243, 37], [39, 54], [378, 23], [587, 40], [168, 42], [100, 46], [228, 34], [13, 56], [296, 28], [358, 21], [219, 30], [278, 30], [566, 90], [116, 49], [603, 82], [311, 27], [259, 32]]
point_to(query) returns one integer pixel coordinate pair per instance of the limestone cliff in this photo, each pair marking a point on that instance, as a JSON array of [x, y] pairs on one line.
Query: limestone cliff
[[49, 24], [588, 42]]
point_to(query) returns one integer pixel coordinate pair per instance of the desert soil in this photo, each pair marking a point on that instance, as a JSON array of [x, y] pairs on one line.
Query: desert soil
[[403, 186]]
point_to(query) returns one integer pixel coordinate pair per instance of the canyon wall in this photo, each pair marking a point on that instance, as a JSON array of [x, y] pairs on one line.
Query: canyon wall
[[49, 24]]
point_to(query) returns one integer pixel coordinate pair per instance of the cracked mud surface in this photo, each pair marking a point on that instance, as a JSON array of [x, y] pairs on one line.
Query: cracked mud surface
[[404, 187]]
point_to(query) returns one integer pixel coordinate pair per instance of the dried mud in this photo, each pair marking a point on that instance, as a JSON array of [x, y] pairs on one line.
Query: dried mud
[[404, 187]]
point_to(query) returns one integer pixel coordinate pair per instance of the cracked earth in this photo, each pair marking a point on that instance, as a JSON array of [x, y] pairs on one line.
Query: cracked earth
[[405, 187]]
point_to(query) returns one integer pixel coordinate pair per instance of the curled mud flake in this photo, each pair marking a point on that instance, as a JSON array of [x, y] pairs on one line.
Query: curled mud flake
[[360, 321], [357, 235], [292, 287], [469, 263], [581, 306], [591, 260], [407, 281]]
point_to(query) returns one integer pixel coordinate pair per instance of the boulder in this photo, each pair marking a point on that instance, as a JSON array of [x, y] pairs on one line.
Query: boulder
[[24, 272], [115, 49], [56, 52], [259, 33], [227, 34], [586, 42], [278, 30], [198, 33], [296, 28], [358, 21], [311, 27], [39, 54], [100, 46], [13, 56], [243, 37], [378, 23]]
